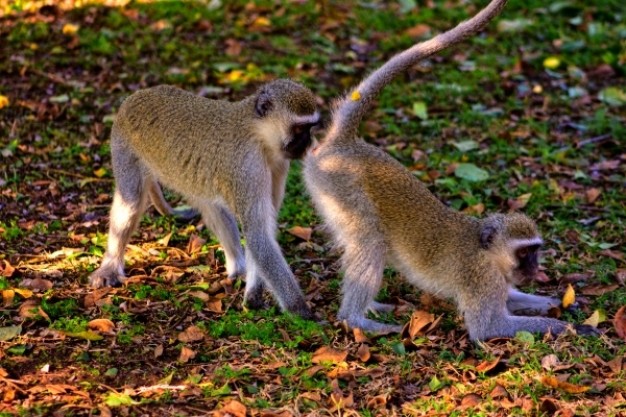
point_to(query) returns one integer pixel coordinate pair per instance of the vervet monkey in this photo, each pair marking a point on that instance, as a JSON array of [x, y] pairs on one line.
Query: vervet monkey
[[229, 160], [378, 212]]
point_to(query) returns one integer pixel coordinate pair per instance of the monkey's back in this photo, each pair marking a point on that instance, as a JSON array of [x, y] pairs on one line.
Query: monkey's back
[[360, 188], [180, 137]]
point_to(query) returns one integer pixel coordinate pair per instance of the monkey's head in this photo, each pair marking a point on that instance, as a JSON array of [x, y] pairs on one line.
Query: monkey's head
[[288, 111], [513, 241]]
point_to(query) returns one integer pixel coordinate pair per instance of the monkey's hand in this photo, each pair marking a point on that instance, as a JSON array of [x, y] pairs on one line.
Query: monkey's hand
[[185, 214], [586, 330]]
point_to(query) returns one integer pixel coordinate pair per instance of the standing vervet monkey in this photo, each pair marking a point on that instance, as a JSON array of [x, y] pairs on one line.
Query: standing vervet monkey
[[378, 211], [228, 159]]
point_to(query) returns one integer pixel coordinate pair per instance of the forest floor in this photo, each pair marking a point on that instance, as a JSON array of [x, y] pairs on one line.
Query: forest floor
[[528, 116]]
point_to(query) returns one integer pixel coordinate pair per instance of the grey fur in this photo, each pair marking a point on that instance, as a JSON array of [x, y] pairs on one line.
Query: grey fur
[[379, 213], [227, 160]]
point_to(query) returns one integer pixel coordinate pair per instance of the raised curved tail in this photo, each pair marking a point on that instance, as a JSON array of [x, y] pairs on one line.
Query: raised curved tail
[[351, 108]]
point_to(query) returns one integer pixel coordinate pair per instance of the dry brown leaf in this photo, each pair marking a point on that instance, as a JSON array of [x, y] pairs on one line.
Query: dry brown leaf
[[359, 336], [7, 297], [171, 273], [592, 194], [91, 299], [549, 406], [195, 244], [363, 353], [471, 400], [377, 402], [102, 325], [186, 354], [499, 392], [576, 277], [418, 31], [419, 320], [520, 202], [619, 322], [158, 351], [215, 305], [191, 334], [200, 294], [487, 365], [30, 309], [550, 362], [303, 233], [554, 382], [7, 270], [232, 408], [328, 354], [37, 284], [620, 274], [598, 289]]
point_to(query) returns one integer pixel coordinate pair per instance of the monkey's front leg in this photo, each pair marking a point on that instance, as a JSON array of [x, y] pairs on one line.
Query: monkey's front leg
[[269, 267], [520, 303]]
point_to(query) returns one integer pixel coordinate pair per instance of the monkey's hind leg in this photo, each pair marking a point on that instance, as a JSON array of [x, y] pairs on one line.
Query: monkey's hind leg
[[520, 303], [223, 224], [129, 203], [363, 262]]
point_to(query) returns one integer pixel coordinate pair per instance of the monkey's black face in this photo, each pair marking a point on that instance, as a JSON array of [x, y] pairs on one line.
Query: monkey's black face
[[527, 264], [300, 140]]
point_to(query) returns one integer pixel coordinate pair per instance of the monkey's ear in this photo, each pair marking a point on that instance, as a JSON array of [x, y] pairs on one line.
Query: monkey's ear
[[263, 104], [488, 236]]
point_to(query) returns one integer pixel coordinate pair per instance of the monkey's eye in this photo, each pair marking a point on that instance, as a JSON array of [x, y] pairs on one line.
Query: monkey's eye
[[522, 253]]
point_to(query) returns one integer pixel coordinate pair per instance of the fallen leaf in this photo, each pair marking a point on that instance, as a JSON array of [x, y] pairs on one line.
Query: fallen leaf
[[195, 244], [363, 353], [549, 362], [158, 351], [569, 297], [499, 392], [7, 270], [303, 233], [471, 400], [214, 305], [102, 325], [4, 101], [7, 297], [30, 309], [598, 289], [486, 366], [554, 382], [418, 31], [85, 335], [165, 240], [191, 334], [359, 336], [328, 354], [596, 318], [70, 29], [9, 332], [232, 408], [542, 277], [551, 62], [520, 202], [619, 322], [37, 284], [419, 320], [186, 355], [100, 172], [592, 194], [470, 172]]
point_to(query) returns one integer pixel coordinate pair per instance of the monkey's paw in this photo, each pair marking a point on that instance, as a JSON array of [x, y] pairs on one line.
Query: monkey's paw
[[586, 330], [105, 278]]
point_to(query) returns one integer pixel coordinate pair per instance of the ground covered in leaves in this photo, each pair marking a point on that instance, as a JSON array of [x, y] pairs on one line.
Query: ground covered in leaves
[[527, 116]]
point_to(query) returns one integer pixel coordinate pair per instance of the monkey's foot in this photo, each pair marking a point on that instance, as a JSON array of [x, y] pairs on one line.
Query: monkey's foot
[[372, 326], [105, 277], [255, 301]]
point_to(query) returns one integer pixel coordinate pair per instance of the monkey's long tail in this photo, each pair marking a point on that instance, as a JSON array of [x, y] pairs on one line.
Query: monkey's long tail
[[351, 109]]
